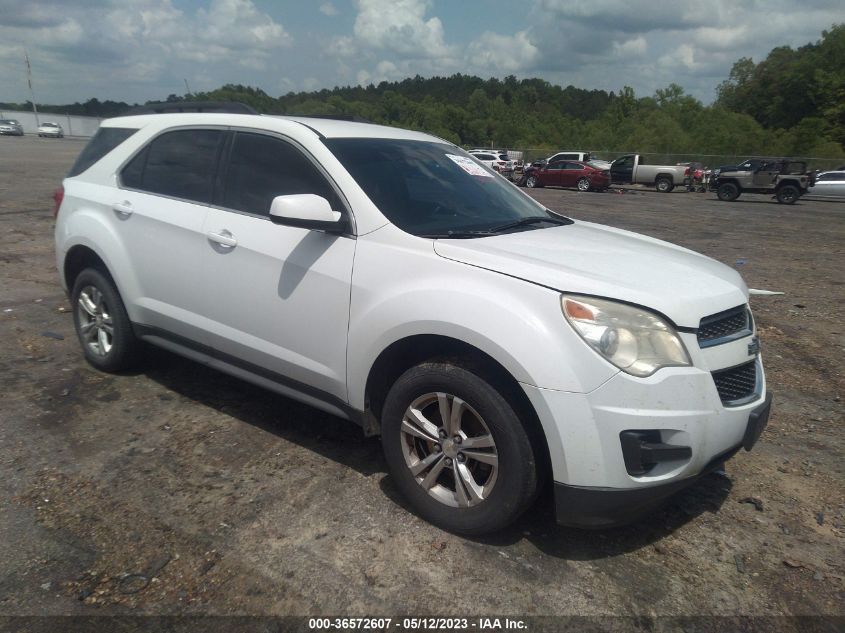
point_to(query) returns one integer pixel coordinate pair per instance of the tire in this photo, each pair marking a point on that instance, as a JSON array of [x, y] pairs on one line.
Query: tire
[[727, 192], [98, 308], [501, 467], [664, 184], [531, 182], [788, 194], [583, 184]]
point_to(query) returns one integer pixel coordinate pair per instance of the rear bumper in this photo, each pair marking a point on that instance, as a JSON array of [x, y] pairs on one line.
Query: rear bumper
[[599, 508]]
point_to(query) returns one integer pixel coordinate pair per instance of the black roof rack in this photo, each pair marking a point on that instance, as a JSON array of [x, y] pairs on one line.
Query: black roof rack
[[227, 107], [337, 117]]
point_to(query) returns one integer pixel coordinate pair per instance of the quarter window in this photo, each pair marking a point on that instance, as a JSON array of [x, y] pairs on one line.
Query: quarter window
[[262, 167], [180, 164]]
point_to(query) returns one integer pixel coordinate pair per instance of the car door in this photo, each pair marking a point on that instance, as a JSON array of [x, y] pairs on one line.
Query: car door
[[622, 169], [765, 176], [277, 297], [550, 174], [570, 173], [159, 212]]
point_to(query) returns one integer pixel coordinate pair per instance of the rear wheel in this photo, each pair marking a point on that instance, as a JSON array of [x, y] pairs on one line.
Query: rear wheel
[[583, 184], [728, 192], [788, 194], [664, 184], [101, 322], [457, 450]]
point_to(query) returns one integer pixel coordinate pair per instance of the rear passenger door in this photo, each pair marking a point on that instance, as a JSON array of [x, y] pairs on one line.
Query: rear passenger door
[[570, 173], [277, 297], [160, 209]]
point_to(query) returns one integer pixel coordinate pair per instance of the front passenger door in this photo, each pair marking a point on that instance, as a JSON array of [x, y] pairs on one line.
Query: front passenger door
[[277, 296]]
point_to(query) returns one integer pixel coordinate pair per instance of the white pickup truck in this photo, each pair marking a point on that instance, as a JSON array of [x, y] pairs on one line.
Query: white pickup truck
[[631, 169]]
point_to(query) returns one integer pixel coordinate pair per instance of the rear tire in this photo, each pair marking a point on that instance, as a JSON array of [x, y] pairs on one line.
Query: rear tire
[[664, 184], [456, 449], [583, 184], [727, 192], [788, 194], [102, 325]]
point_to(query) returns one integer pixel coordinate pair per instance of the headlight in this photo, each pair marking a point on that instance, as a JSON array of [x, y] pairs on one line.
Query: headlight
[[637, 341]]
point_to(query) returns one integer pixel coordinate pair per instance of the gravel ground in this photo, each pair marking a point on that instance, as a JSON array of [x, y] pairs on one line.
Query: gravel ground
[[178, 490]]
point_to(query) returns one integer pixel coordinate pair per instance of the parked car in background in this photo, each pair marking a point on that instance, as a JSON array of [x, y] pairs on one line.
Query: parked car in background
[[567, 173], [11, 127], [828, 184], [787, 180], [494, 160], [632, 169], [49, 128]]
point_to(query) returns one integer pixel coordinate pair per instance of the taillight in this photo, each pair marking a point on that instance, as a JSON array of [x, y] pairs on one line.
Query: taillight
[[58, 196], [686, 172]]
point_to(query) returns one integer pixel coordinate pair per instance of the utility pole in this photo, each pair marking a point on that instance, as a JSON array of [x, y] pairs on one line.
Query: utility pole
[[187, 87], [31, 91]]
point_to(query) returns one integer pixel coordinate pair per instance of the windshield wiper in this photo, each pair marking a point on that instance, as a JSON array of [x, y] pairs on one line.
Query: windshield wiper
[[456, 235], [534, 219]]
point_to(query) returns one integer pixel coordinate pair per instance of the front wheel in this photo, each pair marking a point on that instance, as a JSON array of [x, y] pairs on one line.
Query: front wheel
[[788, 194], [457, 450], [532, 182], [727, 192], [101, 322], [583, 184], [664, 185]]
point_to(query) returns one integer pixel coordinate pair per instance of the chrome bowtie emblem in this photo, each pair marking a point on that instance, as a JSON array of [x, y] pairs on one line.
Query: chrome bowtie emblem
[[754, 347]]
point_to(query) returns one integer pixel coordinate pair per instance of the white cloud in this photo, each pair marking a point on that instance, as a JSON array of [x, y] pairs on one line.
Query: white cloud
[[400, 26], [327, 8], [502, 53]]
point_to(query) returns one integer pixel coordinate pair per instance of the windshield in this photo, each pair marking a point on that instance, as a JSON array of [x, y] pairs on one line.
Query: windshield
[[435, 189]]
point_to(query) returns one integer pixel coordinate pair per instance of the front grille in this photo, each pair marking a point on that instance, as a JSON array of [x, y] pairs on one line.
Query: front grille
[[737, 383], [724, 326]]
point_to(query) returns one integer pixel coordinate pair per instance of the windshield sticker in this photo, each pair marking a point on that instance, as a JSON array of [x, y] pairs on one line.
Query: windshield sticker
[[469, 166]]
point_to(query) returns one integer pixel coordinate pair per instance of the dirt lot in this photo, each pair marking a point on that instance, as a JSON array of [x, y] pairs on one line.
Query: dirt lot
[[181, 490]]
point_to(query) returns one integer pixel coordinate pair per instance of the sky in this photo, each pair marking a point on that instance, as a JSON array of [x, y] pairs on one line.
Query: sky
[[139, 50]]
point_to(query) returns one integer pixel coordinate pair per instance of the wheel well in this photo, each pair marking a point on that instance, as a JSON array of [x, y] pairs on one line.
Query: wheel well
[[409, 352], [669, 176], [793, 183], [78, 259]]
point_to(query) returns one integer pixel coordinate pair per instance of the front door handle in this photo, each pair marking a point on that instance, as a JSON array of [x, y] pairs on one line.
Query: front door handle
[[123, 209], [224, 238]]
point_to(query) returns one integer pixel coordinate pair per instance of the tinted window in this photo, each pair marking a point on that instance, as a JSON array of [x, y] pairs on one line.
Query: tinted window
[[104, 141], [485, 156], [556, 165], [573, 166], [831, 177], [180, 164], [262, 167], [433, 189]]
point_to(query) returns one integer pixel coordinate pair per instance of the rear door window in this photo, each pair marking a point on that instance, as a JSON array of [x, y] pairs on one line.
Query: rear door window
[[179, 164]]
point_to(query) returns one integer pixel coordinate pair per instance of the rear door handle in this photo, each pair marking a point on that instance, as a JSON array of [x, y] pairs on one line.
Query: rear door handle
[[224, 238], [123, 209]]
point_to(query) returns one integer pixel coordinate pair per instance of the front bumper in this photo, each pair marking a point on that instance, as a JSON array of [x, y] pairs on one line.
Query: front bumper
[[598, 508]]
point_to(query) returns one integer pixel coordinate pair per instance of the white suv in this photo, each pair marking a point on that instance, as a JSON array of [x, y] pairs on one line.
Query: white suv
[[387, 277]]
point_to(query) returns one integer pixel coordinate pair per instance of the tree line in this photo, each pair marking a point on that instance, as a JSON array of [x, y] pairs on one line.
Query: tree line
[[792, 103]]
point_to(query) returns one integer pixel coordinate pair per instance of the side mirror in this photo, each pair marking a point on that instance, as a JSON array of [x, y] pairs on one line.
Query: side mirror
[[307, 211]]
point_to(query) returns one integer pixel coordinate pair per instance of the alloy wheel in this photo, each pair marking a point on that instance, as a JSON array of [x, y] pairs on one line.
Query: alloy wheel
[[449, 449], [95, 323]]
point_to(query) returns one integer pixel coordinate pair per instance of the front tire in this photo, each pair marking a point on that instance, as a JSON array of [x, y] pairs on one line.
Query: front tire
[[531, 182], [457, 450], [788, 194], [727, 192], [101, 323], [583, 184]]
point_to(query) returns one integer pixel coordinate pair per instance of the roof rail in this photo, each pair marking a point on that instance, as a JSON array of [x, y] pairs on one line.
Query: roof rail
[[229, 107], [337, 117]]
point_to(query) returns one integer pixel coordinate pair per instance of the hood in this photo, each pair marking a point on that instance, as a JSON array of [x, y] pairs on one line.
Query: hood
[[586, 258]]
